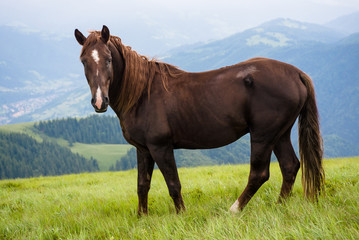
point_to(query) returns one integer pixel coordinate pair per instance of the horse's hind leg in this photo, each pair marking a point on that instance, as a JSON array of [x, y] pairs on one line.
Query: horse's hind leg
[[288, 162], [259, 173]]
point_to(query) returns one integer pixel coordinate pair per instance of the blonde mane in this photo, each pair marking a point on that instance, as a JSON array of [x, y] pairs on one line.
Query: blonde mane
[[138, 76]]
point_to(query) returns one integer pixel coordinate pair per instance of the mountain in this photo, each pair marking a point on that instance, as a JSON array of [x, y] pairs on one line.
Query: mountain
[[347, 24], [271, 38]]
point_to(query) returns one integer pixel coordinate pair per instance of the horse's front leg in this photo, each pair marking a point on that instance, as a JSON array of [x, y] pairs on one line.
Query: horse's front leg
[[164, 158], [145, 166]]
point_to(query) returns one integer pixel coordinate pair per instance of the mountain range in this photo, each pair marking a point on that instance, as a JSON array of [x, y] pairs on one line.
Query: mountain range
[[42, 78]]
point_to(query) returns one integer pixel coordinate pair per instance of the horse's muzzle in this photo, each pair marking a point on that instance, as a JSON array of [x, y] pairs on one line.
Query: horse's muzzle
[[100, 106]]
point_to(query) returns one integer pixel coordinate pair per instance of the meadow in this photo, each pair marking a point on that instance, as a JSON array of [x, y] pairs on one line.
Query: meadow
[[107, 154], [104, 206]]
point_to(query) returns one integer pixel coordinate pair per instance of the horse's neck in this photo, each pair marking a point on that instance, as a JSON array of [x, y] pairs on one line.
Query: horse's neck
[[118, 68]]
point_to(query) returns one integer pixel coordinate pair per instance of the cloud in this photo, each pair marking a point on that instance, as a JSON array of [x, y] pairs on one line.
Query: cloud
[[37, 74], [336, 3], [5, 89], [47, 35], [74, 75], [22, 27]]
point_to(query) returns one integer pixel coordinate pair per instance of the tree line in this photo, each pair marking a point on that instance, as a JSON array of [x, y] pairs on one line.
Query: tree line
[[93, 129], [129, 161], [21, 156]]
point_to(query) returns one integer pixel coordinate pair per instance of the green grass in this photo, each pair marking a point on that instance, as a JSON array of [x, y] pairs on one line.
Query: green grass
[[106, 154], [104, 206]]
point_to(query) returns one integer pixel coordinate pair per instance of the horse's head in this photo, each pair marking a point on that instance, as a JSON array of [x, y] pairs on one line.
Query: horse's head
[[97, 61]]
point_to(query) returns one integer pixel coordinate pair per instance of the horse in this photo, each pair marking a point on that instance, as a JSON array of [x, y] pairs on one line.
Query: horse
[[161, 108]]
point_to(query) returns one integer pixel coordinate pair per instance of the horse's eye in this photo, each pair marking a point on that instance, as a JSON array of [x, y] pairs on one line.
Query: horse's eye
[[83, 63], [108, 62]]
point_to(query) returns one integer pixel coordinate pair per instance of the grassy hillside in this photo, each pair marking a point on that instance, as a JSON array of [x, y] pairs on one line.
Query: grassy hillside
[[106, 154], [25, 128], [103, 206]]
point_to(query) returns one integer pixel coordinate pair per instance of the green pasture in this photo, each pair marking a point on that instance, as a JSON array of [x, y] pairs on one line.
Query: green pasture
[[104, 206], [106, 154]]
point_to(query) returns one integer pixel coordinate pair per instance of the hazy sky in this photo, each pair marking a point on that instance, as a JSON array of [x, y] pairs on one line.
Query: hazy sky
[[165, 21]]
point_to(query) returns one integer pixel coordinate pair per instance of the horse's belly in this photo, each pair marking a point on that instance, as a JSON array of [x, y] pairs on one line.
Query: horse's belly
[[202, 137]]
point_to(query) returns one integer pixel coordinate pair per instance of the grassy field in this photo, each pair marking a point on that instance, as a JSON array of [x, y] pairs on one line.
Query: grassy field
[[104, 205], [106, 154]]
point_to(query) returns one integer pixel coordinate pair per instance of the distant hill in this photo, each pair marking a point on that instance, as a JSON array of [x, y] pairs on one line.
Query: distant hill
[[347, 24], [21, 156], [277, 39]]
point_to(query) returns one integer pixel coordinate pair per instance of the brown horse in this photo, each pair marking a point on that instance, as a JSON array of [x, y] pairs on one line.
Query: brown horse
[[162, 108]]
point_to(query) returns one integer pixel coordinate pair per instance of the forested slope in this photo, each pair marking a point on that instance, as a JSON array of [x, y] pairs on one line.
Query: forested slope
[[22, 156]]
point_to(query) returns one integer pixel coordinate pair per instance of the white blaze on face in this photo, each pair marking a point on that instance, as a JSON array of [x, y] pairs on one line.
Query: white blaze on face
[[98, 98], [95, 56]]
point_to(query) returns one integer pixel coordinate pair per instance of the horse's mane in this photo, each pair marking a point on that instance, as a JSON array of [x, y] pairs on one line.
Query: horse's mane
[[139, 74]]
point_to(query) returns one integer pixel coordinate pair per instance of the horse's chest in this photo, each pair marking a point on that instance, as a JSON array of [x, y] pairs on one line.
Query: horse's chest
[[131, 132]]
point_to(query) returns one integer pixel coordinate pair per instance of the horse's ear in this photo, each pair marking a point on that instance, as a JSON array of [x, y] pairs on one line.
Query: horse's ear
[[105, 34], [80, 37]]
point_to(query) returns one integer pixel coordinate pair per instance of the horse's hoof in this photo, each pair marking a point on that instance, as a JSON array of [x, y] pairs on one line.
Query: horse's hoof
[[235, 207]]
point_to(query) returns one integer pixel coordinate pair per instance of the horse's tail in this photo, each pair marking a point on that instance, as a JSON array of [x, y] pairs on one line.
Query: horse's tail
[[310, 143]]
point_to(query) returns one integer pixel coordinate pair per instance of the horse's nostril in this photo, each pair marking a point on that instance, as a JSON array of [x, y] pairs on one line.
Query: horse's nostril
[[106, 100], [93, 101]]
